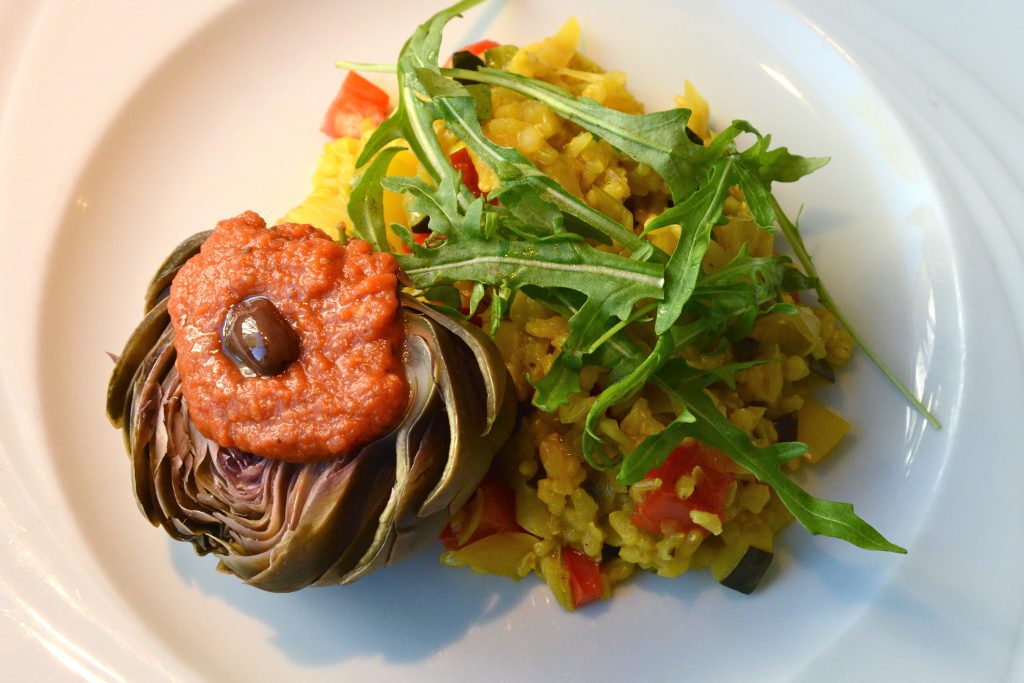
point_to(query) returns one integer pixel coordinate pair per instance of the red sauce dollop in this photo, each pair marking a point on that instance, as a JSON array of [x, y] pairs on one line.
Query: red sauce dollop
[[347, 386]]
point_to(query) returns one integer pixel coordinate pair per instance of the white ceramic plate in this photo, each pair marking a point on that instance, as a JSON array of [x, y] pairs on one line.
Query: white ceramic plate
[[127, 126]]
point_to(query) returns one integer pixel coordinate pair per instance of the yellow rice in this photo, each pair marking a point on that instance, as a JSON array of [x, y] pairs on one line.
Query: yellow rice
[[560, 501]]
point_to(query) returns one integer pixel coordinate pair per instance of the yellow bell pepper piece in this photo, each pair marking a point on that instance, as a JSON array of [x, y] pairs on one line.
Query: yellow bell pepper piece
[[819, 428]]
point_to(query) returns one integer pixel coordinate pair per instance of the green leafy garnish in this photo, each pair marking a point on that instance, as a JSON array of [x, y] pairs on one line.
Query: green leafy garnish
[[530, 234], [819, 516]]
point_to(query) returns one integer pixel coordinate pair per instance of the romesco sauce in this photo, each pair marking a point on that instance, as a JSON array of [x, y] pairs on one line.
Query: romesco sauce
[[346, 386]]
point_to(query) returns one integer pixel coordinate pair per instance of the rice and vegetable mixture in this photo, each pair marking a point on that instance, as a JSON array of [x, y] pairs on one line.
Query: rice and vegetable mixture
[[584, 524]]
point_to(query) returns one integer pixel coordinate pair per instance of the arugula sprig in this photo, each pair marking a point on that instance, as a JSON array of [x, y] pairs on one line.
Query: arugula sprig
[[700, 418], [687, 386], [698, 177], [532, 240], [658, 139], [724, 305], [480, 242], [413, 120], [524, 189], [792, 233]]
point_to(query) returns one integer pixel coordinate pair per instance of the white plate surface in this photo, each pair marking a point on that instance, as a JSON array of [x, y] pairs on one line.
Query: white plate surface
[[128, 126]]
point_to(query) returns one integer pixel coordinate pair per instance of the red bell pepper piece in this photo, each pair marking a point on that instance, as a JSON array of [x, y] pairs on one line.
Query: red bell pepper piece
[[480, 47], [357, 99], [497, 515], [463, 163], [584, 576], [662, 509]]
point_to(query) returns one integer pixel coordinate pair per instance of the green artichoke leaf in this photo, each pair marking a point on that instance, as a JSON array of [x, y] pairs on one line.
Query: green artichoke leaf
[[158, 286], [341, 494], [488, 358], [421, 359], [138, 346]]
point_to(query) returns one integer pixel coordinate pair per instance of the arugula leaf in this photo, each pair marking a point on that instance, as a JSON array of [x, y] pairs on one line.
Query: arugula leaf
[[771, 165], [457, 108], [757, 195], [760, 166], [562, 379], [626, 387], [366, 203], [412, 119], [614, 281], [819, 516], [724, 303], [475, 297], [654, 450], [439, 204], [559, 383], [658, 139], [696, 216]]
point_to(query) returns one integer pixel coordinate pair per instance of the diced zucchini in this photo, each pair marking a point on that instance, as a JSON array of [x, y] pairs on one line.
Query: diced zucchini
[[749, 571]]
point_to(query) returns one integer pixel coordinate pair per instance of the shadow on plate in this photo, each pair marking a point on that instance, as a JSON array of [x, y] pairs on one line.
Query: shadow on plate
[[404, 613]]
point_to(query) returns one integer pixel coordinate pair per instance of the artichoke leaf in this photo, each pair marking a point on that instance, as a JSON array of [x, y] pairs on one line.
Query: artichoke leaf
[[159, 286], [171, 458], [488, 358], [149, 334], [411, 456], [411, 517], [421, 359], [138, 346], [343, 493], [147, 401], [420, 369], [459, 381], [363, 538], [428, 464]]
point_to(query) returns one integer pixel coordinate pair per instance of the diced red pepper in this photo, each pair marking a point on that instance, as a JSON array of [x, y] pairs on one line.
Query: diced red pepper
[[584, 576], [357, 99], [448, 537], [662, 510], [463, 163], [480, 47], [497, 514], [477, 48]]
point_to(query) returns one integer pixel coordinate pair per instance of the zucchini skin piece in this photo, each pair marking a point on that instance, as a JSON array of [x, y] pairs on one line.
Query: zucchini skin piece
[[749, 571]]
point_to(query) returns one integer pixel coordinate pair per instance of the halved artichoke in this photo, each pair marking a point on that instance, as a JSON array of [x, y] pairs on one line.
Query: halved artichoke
[[282, 526]]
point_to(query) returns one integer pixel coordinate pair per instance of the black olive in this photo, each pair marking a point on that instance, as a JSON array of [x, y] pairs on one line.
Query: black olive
[[422, 225], [464, 59], [258, 338], [749, 571], [785, 427], [744, 349]]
